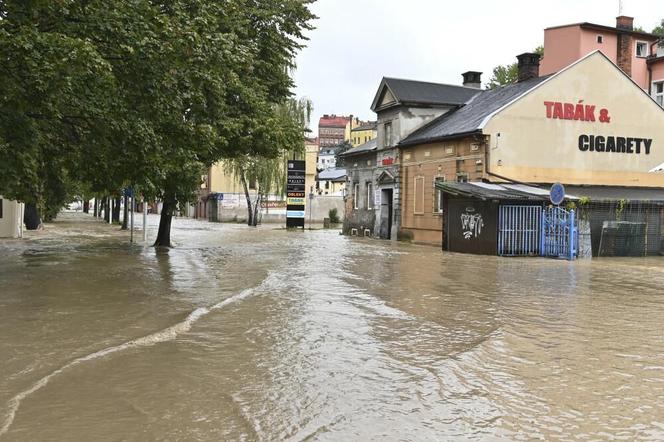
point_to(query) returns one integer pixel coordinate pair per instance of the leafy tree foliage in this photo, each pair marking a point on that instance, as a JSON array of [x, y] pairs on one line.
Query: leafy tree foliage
[[339, 151], [659, 31], [268, 172], [147, 92]]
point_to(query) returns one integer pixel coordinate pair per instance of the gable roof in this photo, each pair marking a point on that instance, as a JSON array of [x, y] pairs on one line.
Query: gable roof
[[468, 119], [333, 121], [332, 174], [422, 93], [362, 148], [472, 117], [369, 125]]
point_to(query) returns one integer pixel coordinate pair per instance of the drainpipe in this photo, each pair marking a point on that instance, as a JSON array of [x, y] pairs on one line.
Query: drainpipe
[[659, 40]]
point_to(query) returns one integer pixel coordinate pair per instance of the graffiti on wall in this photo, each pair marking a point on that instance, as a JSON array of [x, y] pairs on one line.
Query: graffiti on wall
[[471, 223]]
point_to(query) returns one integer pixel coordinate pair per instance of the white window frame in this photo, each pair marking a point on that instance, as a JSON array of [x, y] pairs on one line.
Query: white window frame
[[356, 196], [658, 96], [370, 204], [600, 39], [415, 212], [437, 195], [636, 49]]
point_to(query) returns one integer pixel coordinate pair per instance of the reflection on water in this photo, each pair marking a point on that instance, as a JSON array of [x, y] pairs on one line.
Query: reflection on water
[[263, 334]]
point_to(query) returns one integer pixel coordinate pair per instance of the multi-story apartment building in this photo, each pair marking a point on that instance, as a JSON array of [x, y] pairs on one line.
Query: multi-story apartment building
[[332, 130], [364, 132], [637, 53]]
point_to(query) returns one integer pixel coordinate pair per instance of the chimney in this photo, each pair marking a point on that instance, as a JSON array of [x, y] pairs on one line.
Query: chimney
[[472, 79], [528, 66], [625, 23]]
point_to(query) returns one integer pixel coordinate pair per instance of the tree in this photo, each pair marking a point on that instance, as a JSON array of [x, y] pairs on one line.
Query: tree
[[508, 74], [142, 93], [268, 173], [339, 151], [659, 31]]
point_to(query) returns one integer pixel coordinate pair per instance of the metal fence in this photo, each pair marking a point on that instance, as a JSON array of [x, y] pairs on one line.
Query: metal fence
[[519, 230]]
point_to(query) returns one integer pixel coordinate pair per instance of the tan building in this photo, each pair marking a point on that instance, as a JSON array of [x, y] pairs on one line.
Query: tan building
[[310, 158], [589, 126], [364, 132]]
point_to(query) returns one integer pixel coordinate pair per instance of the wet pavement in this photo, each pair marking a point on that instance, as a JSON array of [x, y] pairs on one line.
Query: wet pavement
[[263, 334]]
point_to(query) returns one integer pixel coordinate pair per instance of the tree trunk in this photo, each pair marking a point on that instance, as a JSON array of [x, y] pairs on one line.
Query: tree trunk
[[166, 217], [107, 208], [257, 206], [31, 217], [125, 213], [116, 210], [96, 209], [250, 214]]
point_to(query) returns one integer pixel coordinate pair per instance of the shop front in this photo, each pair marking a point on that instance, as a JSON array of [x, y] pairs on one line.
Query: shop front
[[589, 127]]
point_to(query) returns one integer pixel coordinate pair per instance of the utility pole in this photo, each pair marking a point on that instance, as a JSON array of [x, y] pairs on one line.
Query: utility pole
[[131, 222]]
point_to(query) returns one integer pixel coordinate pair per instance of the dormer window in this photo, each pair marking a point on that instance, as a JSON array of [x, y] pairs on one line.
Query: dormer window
[[600, 39], [641, 49]]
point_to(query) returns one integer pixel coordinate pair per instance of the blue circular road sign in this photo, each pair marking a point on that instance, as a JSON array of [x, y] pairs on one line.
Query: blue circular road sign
[[557, 194]]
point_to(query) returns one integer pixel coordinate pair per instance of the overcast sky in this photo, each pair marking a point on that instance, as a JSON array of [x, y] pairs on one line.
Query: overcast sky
[[357, 42]]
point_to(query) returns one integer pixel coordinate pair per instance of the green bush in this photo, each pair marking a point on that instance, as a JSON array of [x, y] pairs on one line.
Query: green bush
[[334, 217]]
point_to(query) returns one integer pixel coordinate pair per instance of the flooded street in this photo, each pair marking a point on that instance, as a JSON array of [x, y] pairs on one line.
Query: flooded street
[[264, 334]]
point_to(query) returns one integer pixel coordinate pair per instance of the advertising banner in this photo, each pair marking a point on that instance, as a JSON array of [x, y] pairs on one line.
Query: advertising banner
[[295, 194]]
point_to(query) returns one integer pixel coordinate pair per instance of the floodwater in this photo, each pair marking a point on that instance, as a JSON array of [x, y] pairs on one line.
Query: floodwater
[[264, 334]]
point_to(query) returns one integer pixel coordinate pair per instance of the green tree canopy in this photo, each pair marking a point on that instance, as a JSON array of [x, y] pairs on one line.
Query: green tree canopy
[[147, 92]]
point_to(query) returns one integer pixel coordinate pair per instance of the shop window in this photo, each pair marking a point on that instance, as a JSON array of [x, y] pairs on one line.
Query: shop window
[[641, 49], [438, 195], [370, 202], [356, 196], [419, 195], [658, 88]]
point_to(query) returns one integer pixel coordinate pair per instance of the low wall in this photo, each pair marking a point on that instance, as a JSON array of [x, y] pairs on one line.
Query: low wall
[[11, 219], [316, 210]]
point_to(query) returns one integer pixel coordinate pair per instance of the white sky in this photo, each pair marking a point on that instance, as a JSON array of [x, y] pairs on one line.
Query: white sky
[[357, 42]]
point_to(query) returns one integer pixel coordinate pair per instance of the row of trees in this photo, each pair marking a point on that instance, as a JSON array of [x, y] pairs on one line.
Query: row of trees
[[99, 95]]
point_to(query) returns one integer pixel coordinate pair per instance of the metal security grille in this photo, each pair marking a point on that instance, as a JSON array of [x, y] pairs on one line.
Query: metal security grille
[[613, 231], [519, 230], [559, 233]]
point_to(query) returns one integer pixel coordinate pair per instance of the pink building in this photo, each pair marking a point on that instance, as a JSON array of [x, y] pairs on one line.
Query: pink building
[[633, 51]]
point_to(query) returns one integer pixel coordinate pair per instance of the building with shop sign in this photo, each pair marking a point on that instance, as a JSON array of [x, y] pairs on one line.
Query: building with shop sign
[[589, 126]]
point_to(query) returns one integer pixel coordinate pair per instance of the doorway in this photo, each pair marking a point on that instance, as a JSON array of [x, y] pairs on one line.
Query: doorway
[[386, 213]]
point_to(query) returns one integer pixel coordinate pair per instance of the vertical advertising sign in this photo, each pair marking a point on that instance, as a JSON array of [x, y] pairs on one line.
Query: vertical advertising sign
[[295, 194]]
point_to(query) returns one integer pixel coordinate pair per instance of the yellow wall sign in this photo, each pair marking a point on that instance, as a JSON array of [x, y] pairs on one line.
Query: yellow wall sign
[[295, 201]]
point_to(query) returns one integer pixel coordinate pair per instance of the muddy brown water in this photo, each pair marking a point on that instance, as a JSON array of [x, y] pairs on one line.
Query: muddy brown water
[[264, 334]]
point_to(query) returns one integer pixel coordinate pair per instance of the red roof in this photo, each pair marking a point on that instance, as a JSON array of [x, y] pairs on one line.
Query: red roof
[[333, 121]]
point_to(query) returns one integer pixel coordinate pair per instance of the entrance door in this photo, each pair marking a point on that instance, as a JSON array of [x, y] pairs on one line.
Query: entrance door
[[386, 213]]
